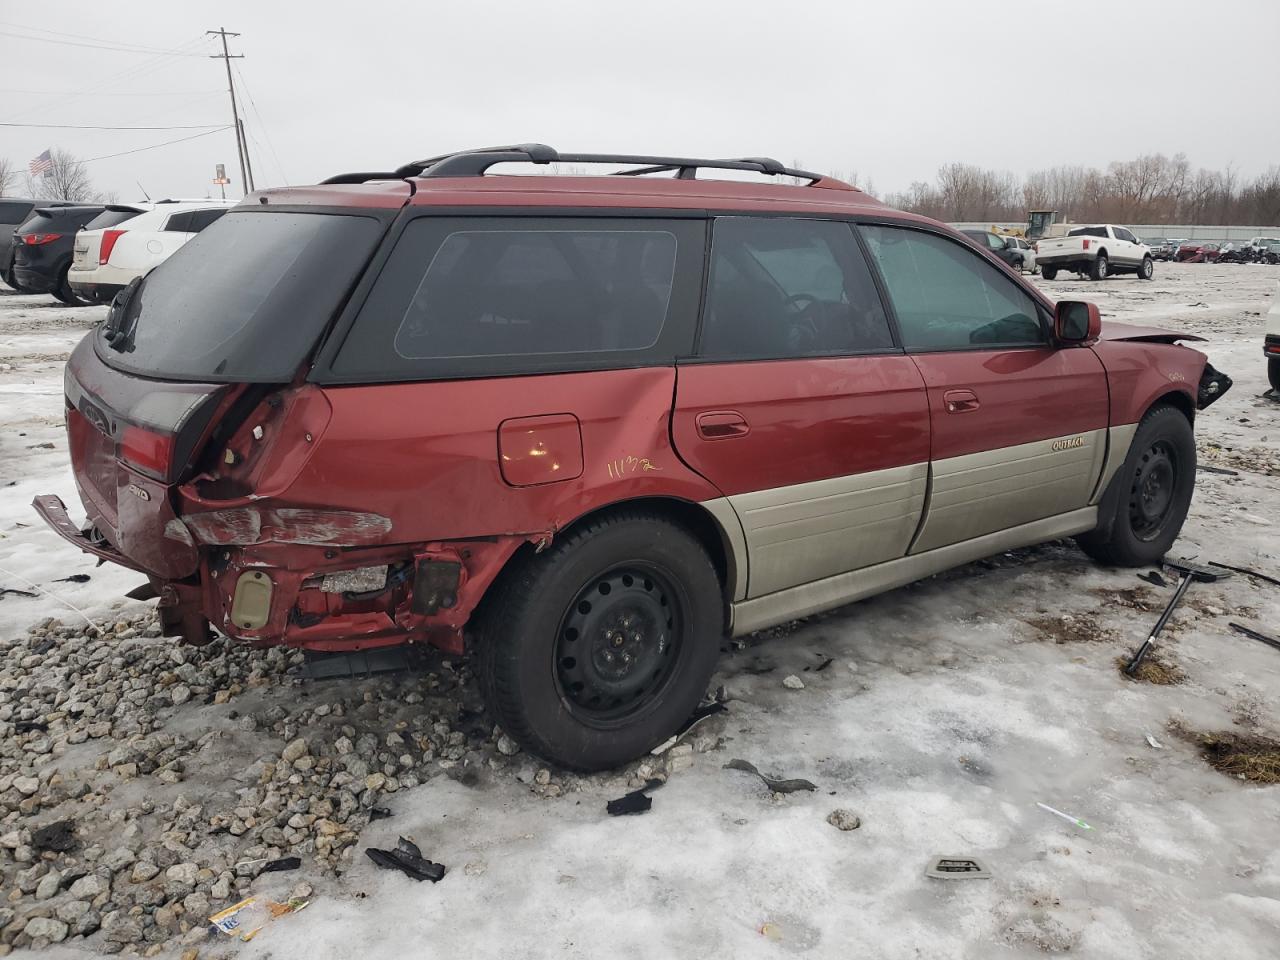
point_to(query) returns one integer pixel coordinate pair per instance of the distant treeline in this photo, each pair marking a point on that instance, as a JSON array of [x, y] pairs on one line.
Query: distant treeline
[[1151, 189]]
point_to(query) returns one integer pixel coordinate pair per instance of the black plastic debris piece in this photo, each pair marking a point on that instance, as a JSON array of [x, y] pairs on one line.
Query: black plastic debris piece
[[1222, 470], [59, 836], [824, 664], [28, 726], [1154, 578], [74, 578], [408, 859], [777, 786], [281, 865], [1246, 571], [379, 813], [16, 593], [1255, 635], [637, 801]]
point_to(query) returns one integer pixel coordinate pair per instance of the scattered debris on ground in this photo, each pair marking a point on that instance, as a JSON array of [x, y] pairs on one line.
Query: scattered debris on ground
[[1073, 628], [1065, 816], [1154, 668], [1255, 634], [775, 785], [1250, 757], [956, 868], [843, 819], [408, 859], [245, 919]]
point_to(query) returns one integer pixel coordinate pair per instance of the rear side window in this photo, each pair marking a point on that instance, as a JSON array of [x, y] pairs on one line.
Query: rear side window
[[789, 288], [110, 218], [479, 296], [946, 297], [202, 218], [178, 223], [244, 300]]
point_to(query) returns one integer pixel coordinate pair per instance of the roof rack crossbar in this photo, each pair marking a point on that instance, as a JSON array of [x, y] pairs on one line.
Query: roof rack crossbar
[[474, 163]]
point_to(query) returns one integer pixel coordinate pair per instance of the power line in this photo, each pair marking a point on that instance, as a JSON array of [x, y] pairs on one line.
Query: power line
[[91, 93], [98, 46], [78, 126], [155, 146], [263, 124], [129, 73]]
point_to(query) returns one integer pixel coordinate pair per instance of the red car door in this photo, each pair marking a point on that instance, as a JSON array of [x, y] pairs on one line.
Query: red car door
[[799, 407], [1019, 427]]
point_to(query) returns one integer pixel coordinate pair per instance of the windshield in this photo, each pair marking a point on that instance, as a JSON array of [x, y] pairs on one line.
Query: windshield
[[244, 300]]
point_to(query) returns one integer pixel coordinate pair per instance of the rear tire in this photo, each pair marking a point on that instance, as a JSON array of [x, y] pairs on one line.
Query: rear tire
[[1098, 269], [64, 292], [1273, 374], [1049, 273], [1147, 270], [594, 652], [1150, 494]]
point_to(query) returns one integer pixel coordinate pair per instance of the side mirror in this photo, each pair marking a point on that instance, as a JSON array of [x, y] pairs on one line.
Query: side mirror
[[1076, 322]]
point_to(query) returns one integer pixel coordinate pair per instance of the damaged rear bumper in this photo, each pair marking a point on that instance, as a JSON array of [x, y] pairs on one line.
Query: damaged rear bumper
[[54, 512]]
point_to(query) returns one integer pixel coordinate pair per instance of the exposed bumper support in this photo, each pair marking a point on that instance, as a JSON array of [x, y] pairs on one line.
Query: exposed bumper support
[[54, 512]]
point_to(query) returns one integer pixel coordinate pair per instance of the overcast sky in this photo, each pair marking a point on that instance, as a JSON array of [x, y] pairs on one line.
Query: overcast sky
[[890, 90]]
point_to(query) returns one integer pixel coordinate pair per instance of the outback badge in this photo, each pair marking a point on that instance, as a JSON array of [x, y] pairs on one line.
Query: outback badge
[[1068, 444]]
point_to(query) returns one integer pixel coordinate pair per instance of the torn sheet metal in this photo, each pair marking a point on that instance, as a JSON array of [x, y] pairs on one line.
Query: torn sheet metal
[[242, 526]]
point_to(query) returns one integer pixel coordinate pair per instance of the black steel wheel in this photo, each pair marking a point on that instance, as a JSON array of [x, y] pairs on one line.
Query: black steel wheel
[[618, 644], [596, 650], [1151, 494], [1146, 502]]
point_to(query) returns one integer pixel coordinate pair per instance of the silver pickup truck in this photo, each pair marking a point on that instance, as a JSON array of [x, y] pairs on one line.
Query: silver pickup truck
[[1096, 251]]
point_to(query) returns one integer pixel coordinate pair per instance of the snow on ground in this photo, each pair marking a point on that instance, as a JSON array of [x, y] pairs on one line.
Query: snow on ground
[[951, 708]]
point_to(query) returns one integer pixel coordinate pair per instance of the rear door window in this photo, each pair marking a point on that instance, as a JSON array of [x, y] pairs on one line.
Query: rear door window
[[481, 296], [245, 300], [789, 288], [948, 298]]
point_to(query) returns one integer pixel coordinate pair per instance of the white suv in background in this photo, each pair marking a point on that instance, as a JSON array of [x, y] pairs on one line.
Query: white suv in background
[[105, 261]]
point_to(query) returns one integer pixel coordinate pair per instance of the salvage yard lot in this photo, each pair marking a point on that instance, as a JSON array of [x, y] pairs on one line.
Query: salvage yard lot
[[950, 708]]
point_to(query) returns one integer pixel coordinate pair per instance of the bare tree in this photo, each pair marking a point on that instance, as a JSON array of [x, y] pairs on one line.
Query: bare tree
[[67, 179], [8, 176]]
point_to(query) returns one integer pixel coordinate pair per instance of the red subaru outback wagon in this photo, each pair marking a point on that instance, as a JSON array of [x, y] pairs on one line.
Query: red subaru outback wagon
[[584, 426]]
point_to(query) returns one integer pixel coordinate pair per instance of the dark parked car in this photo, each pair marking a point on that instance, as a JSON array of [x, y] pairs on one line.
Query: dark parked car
[[42, 249], [587, 426], [13, 212], [998, 245]]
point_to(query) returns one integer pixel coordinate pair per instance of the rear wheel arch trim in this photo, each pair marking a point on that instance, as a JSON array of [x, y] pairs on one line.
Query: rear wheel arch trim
[[712, 522]]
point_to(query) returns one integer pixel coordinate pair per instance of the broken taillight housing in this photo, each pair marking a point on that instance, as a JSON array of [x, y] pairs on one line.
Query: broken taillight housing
[[149, 452]]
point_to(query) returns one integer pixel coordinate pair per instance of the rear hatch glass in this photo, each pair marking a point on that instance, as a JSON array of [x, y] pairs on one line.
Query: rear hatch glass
[[245, 300], [88, 244]]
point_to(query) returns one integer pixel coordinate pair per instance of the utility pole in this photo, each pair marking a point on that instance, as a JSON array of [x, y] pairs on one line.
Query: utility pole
[[246, 178]]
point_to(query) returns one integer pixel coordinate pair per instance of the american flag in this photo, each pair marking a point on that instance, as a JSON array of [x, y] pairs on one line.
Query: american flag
[[41, 165]]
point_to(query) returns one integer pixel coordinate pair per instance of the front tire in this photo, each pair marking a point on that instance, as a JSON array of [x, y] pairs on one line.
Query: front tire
[[1147, 270], [597, 650], [1148, 499], [1098, 269]]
